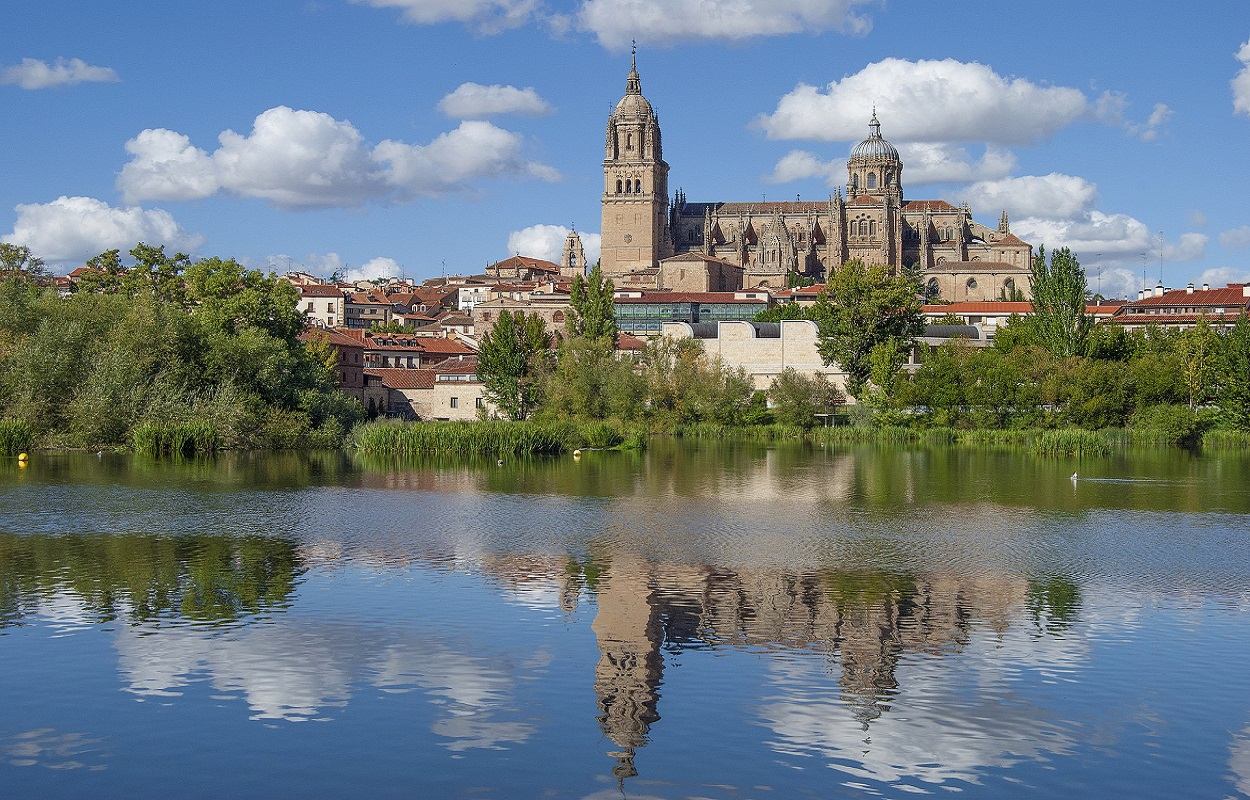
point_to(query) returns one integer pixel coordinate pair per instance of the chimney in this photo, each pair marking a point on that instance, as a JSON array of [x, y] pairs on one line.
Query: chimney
[[1245, 290], [1159, 290], [1189, 288], [1141, 294], [1206, 287]]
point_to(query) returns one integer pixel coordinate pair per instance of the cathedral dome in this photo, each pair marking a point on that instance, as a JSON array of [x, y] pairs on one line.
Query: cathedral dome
[[874, 146]]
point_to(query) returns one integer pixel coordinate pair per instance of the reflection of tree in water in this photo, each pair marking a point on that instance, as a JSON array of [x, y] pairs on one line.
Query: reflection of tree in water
[[1054, 602], [144, 576]]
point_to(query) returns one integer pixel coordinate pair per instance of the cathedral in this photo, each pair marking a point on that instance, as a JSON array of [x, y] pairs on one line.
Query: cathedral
[[769, 243]]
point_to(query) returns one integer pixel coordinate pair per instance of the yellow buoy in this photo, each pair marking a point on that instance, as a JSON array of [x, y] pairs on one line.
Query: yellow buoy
[[22, 456], [577, 453]]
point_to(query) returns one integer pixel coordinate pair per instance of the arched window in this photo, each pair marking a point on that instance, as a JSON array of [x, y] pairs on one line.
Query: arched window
[[637, 187], [572, 259], [933, 289], [618, 187], [889, 179], [1009, 284], [629, 187], [872, 228], [629, 141], [854, 181], [872, 180], [972, 284]]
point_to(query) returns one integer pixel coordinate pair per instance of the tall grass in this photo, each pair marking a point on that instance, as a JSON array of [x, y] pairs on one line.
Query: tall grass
[[494, 438], [1223, 439], [1072, 442], [174, 438], [16, 436]]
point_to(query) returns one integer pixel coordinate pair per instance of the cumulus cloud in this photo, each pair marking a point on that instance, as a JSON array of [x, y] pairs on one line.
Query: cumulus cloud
[[475, 101], [925, 163], [308, 159], [326, 264], [1053, 196], [71, 229], [547, 242], [927, 101], [665, 22], [1236, 238], [1149, 130], [1197, 219], [35, 74], [1222, 276], [1241, 83], [485, 16], [800, 164]]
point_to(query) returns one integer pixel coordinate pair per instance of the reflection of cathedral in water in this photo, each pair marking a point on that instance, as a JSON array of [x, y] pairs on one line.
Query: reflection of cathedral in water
[[866, 622]]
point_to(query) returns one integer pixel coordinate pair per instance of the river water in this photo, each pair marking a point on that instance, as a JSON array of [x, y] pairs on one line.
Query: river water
[[707, 621]]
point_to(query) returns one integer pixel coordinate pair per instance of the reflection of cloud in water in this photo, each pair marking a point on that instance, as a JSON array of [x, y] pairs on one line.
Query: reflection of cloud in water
[[942, 724], [47, 748], [1239, 762], [295, 671]]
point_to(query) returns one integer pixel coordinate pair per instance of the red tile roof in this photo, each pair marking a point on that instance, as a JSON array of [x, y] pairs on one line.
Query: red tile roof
[[928, 205], [404, 378], [333, 336], [1229, 296], [321, 291]]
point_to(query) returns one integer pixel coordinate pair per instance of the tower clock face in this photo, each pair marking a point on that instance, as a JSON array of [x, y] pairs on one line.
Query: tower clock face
[[629, 237]]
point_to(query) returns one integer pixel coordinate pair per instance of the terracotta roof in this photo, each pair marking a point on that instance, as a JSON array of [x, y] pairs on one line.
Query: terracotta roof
[[456, 319], [321, 291], [525, 262], [629, 343], [988, 307], [928, 205], [331, 335], [1174, 319], [404, 378], [1231, 295], [457, 366], [1012, 240]]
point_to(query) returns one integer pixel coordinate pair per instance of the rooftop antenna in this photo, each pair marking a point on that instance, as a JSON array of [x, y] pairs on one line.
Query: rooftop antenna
[[1160, 258]]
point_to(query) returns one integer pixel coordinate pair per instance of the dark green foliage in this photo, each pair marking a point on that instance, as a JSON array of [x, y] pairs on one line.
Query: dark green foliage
[[592, 311], [868, 320], [1059, 318], [781, 311], [511, 362], [798, 399], [16, 436], [167, 343]]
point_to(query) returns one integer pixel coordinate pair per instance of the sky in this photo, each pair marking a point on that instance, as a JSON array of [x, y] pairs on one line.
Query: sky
[[425, 137]]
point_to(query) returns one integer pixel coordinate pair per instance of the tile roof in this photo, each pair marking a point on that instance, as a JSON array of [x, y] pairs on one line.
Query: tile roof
[[694, 255], [318, 290], [332, 335], [1231, 295], [928, 205], [404, 378]]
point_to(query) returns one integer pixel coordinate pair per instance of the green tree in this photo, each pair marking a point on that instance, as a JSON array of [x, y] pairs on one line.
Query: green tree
[[591, 381], [868, 320], [16, 260], [781, 311], [1232, 394], [592, 313], [797, 399], [511, 362], [1059, 296]]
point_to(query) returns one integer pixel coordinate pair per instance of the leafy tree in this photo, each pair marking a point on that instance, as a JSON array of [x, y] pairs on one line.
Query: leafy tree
[[18, 261], [1059, 296], [781, 311], [511, 360], [1232, 395], [868, 321], [590, 381], [797, 399], [592, 313]]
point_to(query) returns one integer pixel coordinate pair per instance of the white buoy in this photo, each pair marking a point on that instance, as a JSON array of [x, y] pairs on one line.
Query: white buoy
[[1074, 478], [499, 463], [577, 453]]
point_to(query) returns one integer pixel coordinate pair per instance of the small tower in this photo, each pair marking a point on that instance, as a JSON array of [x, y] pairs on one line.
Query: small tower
[[1004, 227], [573, 259]]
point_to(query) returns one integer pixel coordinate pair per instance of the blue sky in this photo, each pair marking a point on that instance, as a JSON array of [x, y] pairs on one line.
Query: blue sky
[[423, 136]]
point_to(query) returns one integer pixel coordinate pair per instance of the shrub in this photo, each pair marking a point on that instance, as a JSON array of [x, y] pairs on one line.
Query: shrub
[[16, 436]]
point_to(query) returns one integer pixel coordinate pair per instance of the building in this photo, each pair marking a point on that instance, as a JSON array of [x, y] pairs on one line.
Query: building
[[644, 313], [763, 349], [1185, 308], [960, 258], [323, 304]]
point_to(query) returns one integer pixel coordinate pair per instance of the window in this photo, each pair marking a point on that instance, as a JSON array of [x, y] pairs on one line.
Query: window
[[455, 402], [872, 180], [972, 284], [310, 305], [629, 187], [637, 187], [479, 402]]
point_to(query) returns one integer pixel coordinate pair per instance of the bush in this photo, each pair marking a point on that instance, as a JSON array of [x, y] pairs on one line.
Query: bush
[[1072, 442], [1175, 425], [174, 439]]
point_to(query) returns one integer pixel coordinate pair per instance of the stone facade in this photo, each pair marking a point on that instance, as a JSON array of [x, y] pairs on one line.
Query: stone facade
[[771, 240], [763, 349]]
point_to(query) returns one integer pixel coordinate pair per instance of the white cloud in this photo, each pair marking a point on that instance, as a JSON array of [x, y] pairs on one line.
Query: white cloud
[[485, 16], [166, 166], [1241, 83], [927, 101], [1189, 247], [475, 101], [71, 229], [308, 159], [1052, 197], [1236, 238], [1149, 130], [326, 264], [1117, 237], [380, 267], [547, 242], [1219, 277], [800, 164], [665, 22], [35, 74], [1197, 219], [945, 163]]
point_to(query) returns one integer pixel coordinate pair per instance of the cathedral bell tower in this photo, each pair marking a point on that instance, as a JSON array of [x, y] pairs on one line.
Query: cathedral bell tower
[[635, 186]]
